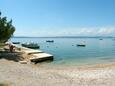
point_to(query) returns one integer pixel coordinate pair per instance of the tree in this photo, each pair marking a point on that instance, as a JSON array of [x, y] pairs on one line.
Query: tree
[[6, 29]]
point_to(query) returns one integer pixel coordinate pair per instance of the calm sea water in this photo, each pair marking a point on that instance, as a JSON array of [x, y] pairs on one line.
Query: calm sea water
[[66, 52]]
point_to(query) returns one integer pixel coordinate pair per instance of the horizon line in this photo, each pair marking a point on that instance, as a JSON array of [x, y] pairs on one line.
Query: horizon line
[[63, 36]]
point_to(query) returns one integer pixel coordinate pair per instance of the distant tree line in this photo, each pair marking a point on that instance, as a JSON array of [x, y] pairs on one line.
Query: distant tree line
[[6, 29]]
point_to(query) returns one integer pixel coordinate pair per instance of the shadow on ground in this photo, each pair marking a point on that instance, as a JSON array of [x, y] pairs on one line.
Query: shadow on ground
[[15, 56]]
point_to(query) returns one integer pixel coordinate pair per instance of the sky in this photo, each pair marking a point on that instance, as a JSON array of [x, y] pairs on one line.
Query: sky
[[61, 17]]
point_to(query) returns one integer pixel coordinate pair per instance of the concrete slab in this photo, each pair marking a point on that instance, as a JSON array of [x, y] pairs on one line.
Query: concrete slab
[[41, 57]]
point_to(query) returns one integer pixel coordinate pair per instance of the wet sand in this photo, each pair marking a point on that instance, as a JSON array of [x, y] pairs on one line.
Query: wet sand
[[16, 74]]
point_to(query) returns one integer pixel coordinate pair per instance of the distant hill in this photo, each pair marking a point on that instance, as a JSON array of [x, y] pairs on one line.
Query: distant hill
[[66, 37]]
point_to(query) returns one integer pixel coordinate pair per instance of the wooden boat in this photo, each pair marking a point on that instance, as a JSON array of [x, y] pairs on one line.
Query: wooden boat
[[31, 45]]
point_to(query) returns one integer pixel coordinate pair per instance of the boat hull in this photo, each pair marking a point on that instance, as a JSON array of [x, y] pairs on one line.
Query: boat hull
[[32, 47]]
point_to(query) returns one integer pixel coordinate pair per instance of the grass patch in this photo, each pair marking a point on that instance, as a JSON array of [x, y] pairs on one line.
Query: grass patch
[[3, 84]]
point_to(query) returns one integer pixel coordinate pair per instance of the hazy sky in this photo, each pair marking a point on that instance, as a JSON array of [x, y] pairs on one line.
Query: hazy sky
[[61, 17]]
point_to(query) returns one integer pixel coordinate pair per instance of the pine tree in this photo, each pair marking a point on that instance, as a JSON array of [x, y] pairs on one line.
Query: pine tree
[[6, 29]]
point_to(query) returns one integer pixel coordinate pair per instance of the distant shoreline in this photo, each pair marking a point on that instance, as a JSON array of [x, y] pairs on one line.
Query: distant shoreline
[[65, 37]]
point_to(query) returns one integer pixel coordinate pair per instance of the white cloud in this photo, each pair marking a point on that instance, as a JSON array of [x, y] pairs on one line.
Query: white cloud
[[106, 30], [92, 31], [95, 31]]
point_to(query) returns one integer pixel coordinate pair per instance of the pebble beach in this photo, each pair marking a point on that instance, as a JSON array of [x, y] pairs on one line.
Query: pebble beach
[[16, 74]]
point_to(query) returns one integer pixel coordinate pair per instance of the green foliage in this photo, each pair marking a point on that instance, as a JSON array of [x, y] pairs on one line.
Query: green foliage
[[6, 29]]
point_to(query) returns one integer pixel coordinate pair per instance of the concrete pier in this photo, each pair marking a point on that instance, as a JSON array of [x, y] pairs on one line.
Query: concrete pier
[[41, 57], [35, 55]]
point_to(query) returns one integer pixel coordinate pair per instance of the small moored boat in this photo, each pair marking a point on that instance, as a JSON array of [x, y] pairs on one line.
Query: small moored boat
[[82, 45], [50, 41], [16, 42], [100, 39], [31, 45]]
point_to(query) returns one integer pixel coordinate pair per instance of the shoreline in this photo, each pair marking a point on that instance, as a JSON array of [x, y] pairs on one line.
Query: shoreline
[[91, 66], [26, 56], [46, 74]]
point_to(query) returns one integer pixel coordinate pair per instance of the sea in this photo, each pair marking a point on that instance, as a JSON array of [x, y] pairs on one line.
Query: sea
[[66, 51]]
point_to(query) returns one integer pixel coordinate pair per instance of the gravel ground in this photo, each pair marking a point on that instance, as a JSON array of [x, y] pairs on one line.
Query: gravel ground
[[16, 74]]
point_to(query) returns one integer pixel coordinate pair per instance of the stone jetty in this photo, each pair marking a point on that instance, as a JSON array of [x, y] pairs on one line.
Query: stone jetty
[[33, 55]]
